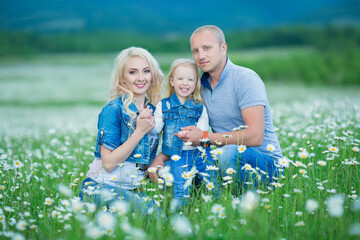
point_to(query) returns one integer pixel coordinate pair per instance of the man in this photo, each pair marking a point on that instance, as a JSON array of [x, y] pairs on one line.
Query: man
[[238, 109]]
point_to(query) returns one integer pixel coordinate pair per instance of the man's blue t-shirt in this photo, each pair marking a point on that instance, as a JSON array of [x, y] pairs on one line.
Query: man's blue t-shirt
[[238, 88]]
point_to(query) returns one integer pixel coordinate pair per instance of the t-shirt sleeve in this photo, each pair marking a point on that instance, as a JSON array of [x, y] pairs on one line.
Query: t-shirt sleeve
[[159, 120], [109, 126], [203, 122], [252, 92]]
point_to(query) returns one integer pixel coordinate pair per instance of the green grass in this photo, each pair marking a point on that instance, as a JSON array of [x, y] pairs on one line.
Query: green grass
[[54, 157], [47, 137]]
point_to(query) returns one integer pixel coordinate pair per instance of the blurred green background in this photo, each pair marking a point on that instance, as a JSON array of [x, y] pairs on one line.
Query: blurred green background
[[315, 42], [56, 56]]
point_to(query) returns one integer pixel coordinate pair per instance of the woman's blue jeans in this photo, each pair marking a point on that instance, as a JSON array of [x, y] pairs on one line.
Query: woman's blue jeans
[[104, 195], [262, 163]]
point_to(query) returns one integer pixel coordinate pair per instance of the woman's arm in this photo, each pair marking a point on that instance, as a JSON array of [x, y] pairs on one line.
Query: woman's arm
[[159, 161], [112, 158]]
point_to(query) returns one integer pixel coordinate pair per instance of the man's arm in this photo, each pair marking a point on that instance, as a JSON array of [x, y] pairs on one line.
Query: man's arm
[[254, 118]]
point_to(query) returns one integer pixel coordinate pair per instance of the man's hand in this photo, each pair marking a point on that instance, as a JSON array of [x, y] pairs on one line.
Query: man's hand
[[158, 162], [190, 134]]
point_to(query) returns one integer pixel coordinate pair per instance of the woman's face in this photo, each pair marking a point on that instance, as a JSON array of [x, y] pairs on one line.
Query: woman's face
[[137, 76]]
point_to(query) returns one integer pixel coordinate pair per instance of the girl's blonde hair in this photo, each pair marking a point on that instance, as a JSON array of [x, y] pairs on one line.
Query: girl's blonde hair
[[119, 89], [196, 95]]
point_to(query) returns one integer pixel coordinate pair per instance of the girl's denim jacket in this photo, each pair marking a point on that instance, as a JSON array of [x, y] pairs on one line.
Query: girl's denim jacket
[[176, 116], [114, 128]]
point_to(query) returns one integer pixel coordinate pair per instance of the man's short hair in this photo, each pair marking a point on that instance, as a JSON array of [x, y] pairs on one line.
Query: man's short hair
[[212, 28]]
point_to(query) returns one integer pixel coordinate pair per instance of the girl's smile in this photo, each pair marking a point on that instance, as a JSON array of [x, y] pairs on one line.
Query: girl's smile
[[183, 82]]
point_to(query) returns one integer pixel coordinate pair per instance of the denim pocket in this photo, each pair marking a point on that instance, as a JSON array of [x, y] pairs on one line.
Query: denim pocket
[[170, 115], [194, 114]]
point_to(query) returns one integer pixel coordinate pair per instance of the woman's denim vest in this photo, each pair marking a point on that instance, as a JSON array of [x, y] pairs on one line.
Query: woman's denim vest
[[114, 128], [176, 116]]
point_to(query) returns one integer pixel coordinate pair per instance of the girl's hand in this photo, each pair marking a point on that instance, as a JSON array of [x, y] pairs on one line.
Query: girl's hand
[[181, 134], [190, 134], [146, 113]]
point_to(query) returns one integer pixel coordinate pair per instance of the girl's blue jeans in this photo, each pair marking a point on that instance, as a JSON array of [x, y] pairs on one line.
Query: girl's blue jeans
[[263, 165], [138, 201], [190, 158]]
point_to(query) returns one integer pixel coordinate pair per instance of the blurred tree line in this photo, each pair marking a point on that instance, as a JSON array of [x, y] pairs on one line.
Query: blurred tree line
[[335, 58]]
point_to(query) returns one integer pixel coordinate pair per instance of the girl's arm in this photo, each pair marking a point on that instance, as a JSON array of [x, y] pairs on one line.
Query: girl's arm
[[112, 158], [159, 120], [203, 122]]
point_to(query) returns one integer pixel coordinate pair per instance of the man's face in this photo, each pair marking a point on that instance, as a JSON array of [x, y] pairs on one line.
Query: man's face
[[208, 53]]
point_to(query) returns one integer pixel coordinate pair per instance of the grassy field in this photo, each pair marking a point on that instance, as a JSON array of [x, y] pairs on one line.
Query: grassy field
[[48, 113]]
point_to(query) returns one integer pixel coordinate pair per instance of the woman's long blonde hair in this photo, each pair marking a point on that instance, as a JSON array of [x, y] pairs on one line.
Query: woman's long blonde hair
[[196, 95], [119, 89]]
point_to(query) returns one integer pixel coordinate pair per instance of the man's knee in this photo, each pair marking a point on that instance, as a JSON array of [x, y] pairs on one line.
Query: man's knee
[[229, 152]]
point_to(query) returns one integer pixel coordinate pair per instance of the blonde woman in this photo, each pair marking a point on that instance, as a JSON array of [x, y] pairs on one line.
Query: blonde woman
[[183, 107], [124, 145]]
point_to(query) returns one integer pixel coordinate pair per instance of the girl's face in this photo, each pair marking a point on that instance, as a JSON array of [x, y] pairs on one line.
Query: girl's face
[[183, 81], [137, 76]]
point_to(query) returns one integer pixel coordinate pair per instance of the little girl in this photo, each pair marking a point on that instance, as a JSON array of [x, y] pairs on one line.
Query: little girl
[[183, 107], [123, 145]]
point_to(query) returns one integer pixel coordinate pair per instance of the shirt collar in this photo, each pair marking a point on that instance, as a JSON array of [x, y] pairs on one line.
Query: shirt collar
[[133, 107], [148, 103], [175, 102], [205, 78]]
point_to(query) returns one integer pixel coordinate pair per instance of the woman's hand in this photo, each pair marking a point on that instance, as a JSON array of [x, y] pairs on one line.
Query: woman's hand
[[145, 123], [158, 162]]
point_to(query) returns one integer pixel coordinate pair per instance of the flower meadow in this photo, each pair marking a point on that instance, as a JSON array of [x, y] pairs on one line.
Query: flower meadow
[[316, 197], [47, 138]]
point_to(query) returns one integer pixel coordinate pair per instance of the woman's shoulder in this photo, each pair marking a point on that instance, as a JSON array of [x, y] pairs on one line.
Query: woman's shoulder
[[114, 105], [116, 101]]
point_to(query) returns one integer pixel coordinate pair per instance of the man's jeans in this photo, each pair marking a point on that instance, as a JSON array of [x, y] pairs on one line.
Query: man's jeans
[[262, 167], [190, 158], [105, 195]]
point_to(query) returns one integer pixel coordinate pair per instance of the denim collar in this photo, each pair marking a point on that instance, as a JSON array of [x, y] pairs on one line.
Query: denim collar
[[175, 102], [133, 107], [205, 78]]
